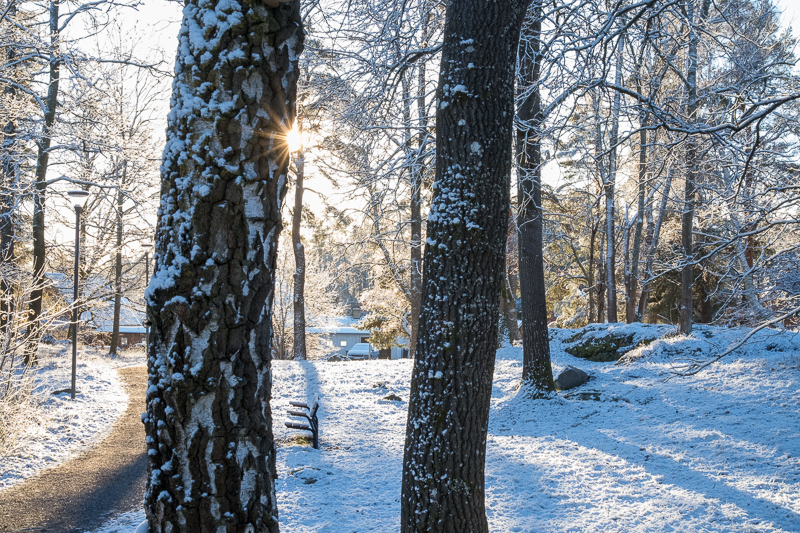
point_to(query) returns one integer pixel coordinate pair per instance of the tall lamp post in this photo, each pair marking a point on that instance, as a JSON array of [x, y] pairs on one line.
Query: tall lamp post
[[146, 247], [78, 200]]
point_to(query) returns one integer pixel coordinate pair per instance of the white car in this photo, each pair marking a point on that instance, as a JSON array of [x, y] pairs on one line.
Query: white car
[[362, 350]]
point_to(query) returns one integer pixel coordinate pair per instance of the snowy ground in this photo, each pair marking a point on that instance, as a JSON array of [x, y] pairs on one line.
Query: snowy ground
[[60, 427], [634, 450]]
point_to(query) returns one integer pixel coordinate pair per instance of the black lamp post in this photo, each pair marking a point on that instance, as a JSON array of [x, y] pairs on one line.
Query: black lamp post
[[146, 247], [78, 200]]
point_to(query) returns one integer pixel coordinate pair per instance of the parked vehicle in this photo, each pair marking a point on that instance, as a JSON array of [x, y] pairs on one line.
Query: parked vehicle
[[362, 350]]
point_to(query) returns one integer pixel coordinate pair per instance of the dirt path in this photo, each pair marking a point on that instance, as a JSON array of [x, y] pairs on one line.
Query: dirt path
[[81, 493]]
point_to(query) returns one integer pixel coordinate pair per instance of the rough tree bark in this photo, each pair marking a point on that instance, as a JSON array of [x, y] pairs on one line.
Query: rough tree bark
[[448, 414], [537, 372], [211, 454]]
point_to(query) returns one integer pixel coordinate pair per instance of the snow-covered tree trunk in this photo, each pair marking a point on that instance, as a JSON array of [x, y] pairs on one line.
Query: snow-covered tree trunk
[[211, 455], [537, 372], [448, 414]]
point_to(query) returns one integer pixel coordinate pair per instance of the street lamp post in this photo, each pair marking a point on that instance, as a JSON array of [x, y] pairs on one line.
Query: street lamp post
[[78, 200], [146, 247]]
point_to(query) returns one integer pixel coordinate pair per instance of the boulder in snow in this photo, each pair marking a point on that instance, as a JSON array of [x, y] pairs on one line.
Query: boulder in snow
[[571, 377]]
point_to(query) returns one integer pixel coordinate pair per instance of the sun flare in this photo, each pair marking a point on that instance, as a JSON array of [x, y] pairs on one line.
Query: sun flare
[[294, 139]]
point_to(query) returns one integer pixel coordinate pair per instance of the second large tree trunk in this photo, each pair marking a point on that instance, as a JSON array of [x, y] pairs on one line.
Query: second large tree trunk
[[537, 372], [448, 413], [210, 449]]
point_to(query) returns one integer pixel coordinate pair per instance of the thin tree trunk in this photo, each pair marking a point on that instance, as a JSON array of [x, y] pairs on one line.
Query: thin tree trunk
[[653, 246], [448, 413], [692, 162], [417, 173], [508, 300], [750, 226], [590, 280], [537, 372], [8, 196], [632, 282], [609, 187], [299, 301], [601, 285], [508, 308], [42, 159], [118, 264], [211, 453]]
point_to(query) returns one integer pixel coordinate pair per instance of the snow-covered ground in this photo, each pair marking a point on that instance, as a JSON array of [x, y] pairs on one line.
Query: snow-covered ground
[[60, 427], [636, 449]]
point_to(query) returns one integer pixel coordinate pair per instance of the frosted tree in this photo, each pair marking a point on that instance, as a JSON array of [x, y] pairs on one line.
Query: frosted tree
[[448, 413], [211, 454], [60, 58]]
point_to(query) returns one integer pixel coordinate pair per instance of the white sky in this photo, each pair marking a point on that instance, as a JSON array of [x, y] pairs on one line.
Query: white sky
[[161, 19], [791, 10]]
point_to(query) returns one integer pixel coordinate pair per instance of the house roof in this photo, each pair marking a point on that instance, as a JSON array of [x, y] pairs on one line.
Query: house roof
[[336, 325], [131, 320]]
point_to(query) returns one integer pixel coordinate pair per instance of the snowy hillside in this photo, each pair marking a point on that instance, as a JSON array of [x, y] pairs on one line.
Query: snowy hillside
[[636, 449]]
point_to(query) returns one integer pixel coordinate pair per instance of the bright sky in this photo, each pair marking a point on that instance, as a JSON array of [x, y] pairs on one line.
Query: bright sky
[[162, 19], [791, 11]]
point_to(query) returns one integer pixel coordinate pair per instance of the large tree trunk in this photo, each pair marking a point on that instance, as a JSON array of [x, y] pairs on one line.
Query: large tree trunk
[[211, 454], [114, 346], [448, 413], [299, 300], [42, 160], [537, 372]]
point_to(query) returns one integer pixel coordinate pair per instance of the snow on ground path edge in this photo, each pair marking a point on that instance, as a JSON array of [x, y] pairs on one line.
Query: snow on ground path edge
[[67, 427]]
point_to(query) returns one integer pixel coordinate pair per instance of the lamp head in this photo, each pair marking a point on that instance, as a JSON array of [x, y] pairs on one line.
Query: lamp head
[[78, 198]]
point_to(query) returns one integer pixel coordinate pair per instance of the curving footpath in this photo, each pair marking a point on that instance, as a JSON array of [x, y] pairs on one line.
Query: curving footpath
[[83, 492]]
